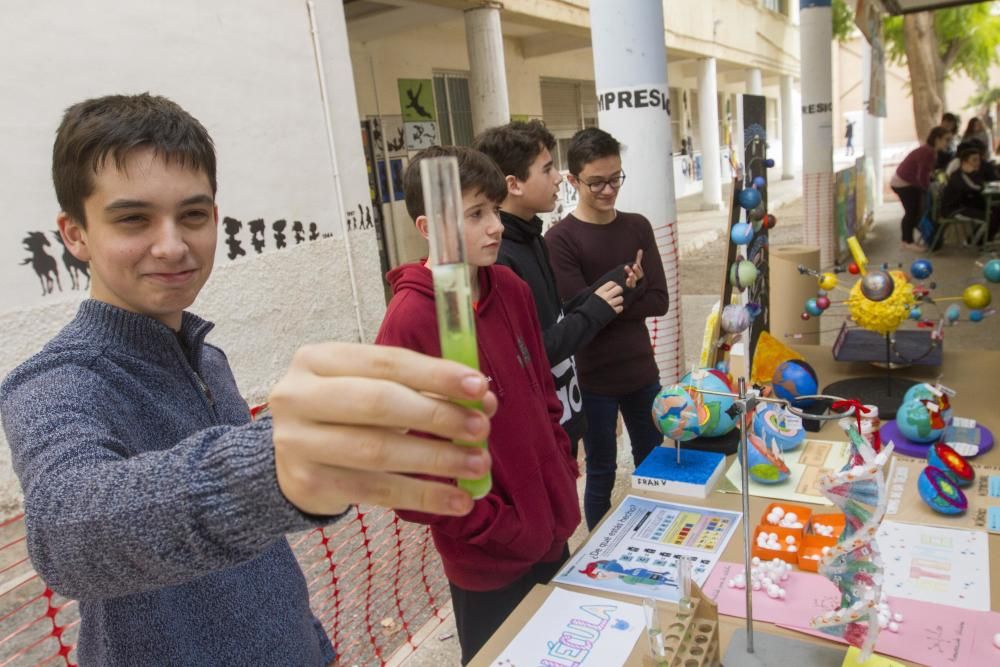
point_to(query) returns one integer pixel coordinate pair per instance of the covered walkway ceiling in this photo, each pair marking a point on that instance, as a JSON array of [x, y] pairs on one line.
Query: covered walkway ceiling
[[910, 6]]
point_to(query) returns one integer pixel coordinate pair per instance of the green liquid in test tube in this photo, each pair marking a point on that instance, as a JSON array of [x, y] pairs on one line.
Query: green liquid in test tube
[[452, 289]]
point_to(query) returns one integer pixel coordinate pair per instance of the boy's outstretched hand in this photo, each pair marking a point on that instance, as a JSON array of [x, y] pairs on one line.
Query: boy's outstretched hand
[[340, 417]]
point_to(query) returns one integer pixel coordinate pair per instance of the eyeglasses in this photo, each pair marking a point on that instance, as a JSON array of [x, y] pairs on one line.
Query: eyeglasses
[[597, 187]]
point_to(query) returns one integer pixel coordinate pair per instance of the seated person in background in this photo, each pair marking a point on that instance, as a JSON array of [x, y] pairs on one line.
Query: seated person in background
[[949, 122], [987, 170], [963, 195], [515, 536]]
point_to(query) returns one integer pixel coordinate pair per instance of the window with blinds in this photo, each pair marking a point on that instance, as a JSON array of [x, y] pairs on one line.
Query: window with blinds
[[454, 108], [567, 106]]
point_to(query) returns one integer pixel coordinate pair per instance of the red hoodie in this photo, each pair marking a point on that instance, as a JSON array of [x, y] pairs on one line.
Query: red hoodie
[[533, 508]]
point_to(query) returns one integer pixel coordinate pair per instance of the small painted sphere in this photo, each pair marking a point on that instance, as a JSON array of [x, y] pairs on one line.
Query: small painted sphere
[[976, 315], [812, 307], [719, 422], [914, 421], [992, 271], [763, 466], [925, 392], [741, 233], [794, 378], [976, 296], [769, 163], [742, 274], [953, 312], [734, 319], [951, 463], [677, 415], [823, 302], [750, 198], [853, 269], [757, 214], [769, 424], [938, 491], [921, 269], [827, 281], [759, 181], [805, 316], [877, 286], [770, 221], [916, 314]]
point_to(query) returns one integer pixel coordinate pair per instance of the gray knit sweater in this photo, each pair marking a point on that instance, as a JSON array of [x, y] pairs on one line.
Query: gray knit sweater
[[151, 498]]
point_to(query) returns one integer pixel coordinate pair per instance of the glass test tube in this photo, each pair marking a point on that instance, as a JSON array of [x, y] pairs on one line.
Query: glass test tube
[[452, 292]]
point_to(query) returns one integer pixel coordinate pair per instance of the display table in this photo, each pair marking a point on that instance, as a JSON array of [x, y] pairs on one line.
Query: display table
[[974, 375]]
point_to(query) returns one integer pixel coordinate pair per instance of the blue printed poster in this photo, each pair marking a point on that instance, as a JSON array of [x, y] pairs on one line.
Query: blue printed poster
[[576, 629], [636, 549]]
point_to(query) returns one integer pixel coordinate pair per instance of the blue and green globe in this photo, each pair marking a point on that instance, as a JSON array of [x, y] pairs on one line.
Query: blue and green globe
[[794, 378], [924, 392], [719, 422], [915, 422], [677, 414]]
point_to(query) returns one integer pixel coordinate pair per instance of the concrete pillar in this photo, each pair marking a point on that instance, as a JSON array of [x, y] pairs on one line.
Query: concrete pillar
[[755, 81], [793, 12], [708, 114], [789, 137], [872, 126], [630, 64], [487, 72], [816, 36]]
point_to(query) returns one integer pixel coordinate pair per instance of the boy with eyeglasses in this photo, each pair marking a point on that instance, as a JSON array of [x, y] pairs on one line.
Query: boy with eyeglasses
[[617, 369], [522, 150]]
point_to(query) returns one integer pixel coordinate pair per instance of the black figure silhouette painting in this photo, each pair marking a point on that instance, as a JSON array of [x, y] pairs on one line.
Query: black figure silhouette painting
[[43, 263], [74, 266], [416, 99], [279, 233], [299, 231], [257, 234], [232, 227]]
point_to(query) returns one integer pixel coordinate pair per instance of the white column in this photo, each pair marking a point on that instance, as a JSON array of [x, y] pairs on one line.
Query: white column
[[349, 179], [872, 126], [755, 81], [487, 72], [789, 137], [708, 115], [816, 35], [793, 12], [630, 72]]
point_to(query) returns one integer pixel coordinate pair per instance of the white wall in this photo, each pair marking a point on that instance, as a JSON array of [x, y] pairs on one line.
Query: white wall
[[246, 69]]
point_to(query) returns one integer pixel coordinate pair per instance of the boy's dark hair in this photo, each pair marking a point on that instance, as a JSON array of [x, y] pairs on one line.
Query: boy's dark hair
[[949, 117], [972, 144], [968, 152], [111, 127], [935, 134], [515, 146], [476, 172], [589, 145]]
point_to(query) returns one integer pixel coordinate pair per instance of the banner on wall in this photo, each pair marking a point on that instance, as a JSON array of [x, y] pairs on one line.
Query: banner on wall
[[416, 104]]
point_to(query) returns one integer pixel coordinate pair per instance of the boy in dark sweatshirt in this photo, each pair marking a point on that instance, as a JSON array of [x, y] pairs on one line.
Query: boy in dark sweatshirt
[[149, 495], [515, 537], [522, 150], [617, 369], [963, 195]]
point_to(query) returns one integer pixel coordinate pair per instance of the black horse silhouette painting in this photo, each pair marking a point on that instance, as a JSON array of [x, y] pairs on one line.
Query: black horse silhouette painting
[[74, 266], [43, 263]]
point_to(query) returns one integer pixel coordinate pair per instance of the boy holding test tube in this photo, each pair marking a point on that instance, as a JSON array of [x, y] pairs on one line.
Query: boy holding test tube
[[515, 536]]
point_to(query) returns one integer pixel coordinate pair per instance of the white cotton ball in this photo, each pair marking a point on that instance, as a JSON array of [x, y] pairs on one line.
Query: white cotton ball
[[755, 561], [781, 593], [756, 585], [893, 626], [826, 550], [791, 516], [731, 583], [797, 525], [778, 510], [790, 539], [882, 623], [897, 617], [996, 640], [772, 592], [793, 549]]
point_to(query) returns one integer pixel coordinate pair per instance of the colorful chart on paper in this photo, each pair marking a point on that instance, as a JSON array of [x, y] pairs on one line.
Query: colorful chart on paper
[[635, 551]]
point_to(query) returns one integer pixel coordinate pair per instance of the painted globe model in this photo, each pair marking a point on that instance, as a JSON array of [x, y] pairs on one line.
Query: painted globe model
[[794, 378], [916, 424], [719, 422], [924, 392], [770, 425], [734, 319], [677, 414]]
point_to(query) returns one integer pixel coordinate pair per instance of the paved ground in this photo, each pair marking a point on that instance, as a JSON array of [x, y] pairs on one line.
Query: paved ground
[[703, 253]]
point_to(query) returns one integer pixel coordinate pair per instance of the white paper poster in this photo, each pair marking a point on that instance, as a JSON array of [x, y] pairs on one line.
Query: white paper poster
[[635, 551], [576, 629], [941, 565]]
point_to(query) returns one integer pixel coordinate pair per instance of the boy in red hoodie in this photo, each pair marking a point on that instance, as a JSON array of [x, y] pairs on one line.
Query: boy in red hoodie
[[515, 537]]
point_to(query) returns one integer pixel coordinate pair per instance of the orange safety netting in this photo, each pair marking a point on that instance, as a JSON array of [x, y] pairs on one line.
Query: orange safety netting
[[374, 581]]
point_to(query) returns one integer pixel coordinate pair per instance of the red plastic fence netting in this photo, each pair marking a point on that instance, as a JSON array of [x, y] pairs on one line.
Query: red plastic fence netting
[[374, 581]]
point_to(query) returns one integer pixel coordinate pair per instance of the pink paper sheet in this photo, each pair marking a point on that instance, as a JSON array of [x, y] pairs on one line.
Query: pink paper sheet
[[930, 634]]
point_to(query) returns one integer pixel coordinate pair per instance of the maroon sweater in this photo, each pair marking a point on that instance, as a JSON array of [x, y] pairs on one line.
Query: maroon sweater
[[533, 508], [619, 360], [916, 167]]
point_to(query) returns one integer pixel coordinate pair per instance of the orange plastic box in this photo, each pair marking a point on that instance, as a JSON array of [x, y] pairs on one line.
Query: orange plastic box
[[791, 557], [802, 513], [813, 543]]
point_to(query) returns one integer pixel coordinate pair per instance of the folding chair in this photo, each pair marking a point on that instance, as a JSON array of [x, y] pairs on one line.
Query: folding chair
[[973, 228]]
